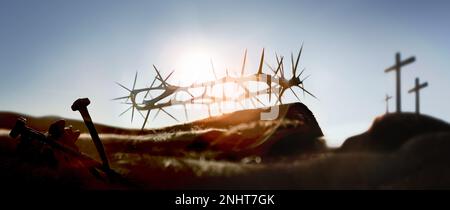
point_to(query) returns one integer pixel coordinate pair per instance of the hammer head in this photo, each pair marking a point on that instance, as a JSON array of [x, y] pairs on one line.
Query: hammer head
[[80, 104], [56, 129], [18, 128]]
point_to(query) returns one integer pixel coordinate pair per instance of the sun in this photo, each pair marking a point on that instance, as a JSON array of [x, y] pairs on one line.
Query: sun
[[198, 65], [193, 66]]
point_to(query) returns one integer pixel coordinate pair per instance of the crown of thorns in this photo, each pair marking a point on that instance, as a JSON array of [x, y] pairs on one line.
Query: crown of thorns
[[275, 82]]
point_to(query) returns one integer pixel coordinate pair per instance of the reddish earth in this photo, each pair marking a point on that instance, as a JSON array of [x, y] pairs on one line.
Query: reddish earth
[[238, 151], [147, 158]]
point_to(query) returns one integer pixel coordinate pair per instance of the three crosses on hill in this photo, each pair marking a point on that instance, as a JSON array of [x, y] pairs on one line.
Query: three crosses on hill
[[397, 68]]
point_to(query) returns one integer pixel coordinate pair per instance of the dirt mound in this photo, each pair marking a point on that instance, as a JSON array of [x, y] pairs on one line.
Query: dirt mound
[[295, 131], [236, 134], [389, 132]]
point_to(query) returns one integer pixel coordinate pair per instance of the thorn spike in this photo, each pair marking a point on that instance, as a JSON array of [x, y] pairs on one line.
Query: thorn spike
[[214, 71], [135, 78], [305, 78], [123, 87], [185, 113], [295, 94], [169, 114], [298, 58], [145, 120], [119, 98], [151, 86], [132, 113], [261, 62], [301, 72], [158, 75], [165, 80], [125, 111], [140, 113], [156, 114], [243, 63], [292, 65]]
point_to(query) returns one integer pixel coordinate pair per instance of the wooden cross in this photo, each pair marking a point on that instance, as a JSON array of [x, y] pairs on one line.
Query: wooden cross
[[388, 97], [416, 89], [397, 68]]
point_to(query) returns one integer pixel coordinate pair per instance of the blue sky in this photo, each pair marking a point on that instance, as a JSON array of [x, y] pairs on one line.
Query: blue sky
[[52, 52]]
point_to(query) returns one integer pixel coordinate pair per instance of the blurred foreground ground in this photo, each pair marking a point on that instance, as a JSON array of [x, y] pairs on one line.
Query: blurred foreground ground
[[238, 151]]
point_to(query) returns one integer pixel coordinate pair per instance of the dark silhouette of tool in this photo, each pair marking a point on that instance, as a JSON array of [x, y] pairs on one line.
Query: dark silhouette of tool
[[81, 106], [21, 129]]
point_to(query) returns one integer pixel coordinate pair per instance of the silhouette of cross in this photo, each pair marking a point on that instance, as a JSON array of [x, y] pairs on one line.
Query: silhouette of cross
[[397, 68], [388, 97], [416, 89]]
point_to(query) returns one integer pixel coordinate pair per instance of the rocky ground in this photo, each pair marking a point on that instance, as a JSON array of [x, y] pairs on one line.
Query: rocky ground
[[238, 151]]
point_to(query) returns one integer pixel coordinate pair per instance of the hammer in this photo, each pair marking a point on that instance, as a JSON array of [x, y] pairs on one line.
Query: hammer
[[81, 106], [20, 128]]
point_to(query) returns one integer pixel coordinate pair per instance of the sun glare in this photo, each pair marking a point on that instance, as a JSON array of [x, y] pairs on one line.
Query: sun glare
[[193, 67], [196, 66]]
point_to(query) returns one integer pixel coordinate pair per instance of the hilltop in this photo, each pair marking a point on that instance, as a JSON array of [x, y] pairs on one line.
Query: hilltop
[[391, 131]]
